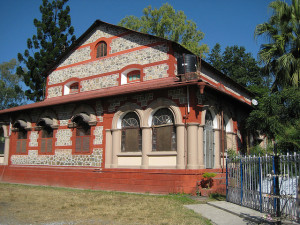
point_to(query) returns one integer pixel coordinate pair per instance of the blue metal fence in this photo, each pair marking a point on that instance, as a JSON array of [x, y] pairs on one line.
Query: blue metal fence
[[268, 184]]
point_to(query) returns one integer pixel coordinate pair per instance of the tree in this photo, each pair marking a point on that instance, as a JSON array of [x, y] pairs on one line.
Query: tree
[[277, 116], [238, 65], [282, 54], [53, 36], [167, 23], [10, 92]]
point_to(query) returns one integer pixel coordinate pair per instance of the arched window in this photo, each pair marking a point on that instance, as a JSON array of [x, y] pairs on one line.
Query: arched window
[[208, 140], [131, 133], [20, 125], [74, 88], [46, 135], [83, 133], [133, 76], [101, 49], [2, 141], [164, 132]]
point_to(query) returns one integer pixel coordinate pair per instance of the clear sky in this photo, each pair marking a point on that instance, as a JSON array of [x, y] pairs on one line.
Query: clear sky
[[228, 22]]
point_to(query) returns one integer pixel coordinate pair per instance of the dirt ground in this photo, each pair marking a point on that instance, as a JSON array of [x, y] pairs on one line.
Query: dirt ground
[[23, 204]]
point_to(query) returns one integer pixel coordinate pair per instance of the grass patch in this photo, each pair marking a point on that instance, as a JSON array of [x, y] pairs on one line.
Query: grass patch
[[25, 204]]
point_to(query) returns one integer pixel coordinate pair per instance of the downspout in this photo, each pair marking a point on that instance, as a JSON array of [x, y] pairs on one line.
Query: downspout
[[222, 136]]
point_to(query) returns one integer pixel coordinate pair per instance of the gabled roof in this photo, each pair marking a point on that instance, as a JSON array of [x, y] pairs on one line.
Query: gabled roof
[[164, 83], [175, 46], [95, 25]]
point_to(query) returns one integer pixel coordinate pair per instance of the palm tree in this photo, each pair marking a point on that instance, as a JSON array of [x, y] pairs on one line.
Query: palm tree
[[281, 55]]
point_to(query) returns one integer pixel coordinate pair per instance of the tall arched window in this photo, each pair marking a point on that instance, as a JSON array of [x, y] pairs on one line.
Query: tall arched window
[[101, 49], [83, 133], [20, 125], [164, 132], [2, 141], [208, 140], [46, 135], [131, 133]]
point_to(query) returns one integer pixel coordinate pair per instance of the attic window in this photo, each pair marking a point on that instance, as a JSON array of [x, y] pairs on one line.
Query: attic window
[[101, 49], [133, 76], [74, 88], [71, 88]]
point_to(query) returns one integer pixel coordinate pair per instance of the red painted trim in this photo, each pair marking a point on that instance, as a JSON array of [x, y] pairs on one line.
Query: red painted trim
[[111, 55]]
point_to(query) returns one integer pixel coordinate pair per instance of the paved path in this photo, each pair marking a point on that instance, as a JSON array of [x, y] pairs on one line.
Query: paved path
[[226, 213]]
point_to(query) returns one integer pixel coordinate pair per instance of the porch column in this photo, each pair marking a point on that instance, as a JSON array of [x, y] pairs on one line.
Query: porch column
[[108, 148], [116, 146], [180, 146], [146, 146], [217, 143], [200, 147], [192, 145]]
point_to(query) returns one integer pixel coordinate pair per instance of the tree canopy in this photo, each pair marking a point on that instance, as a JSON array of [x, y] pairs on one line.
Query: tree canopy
[[11, 94], [167, 23], [239, 65], [281, 55], [54, 34], [278, 111]]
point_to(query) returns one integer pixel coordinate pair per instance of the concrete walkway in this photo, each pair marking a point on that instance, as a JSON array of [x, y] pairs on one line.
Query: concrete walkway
[[226, 213]]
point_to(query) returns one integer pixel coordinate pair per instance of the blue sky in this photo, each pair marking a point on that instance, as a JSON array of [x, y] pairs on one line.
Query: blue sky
[[228, 22]]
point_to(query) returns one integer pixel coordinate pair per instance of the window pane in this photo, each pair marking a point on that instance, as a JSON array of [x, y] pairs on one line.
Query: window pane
[[2, 140], [132, 140], [164, 138]]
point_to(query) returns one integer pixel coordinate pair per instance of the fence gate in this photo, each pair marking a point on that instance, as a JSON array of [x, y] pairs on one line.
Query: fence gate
[[268, 184]]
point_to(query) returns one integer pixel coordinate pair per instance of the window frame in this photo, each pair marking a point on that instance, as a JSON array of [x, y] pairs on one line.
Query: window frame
[[125, 130], [103, 52], [156, 141], [2, 141], [74, 91], [134, 76], [22, 140], [46, 139]]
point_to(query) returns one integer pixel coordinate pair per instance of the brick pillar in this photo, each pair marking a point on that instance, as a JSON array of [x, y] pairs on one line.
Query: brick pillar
[[200, 147]]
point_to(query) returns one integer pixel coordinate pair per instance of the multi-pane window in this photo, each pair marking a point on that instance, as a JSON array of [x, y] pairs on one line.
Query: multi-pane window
[[131, 133], [164, 131], [2, 141], [74, 88], [83, 133], [101, 49], [21, 141], [133, 76], [46, 140]]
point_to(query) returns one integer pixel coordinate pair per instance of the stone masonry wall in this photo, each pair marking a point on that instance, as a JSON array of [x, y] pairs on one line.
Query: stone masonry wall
[[156, 72], [62, 157], [130, 41], [142, 57], [100, 82], [54, 91], [77, 56]]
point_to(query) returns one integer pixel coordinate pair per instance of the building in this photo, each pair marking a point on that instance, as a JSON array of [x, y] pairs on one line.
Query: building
[[120, 114]]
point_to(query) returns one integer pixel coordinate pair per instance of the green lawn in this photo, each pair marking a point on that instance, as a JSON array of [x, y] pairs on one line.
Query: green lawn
[[23, 204]]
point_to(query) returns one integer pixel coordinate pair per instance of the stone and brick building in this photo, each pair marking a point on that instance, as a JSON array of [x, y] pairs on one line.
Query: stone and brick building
[[118, 116]]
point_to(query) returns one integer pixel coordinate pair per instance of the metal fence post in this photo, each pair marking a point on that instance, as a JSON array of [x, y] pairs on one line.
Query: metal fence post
[[227, 179], [260, 194], [241, 165]]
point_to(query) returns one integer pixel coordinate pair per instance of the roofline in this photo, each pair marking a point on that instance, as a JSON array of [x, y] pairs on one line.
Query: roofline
[[164, 83]]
